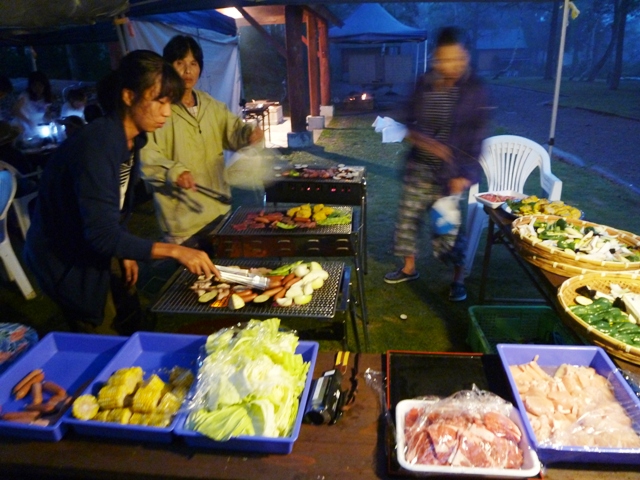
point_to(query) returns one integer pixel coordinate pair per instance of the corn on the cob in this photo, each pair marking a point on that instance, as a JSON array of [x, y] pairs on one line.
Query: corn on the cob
[[181, 377], [112, 396], [180, 393], [146, 399], [136, 419], [119, 415], [130, 377], [169, 404], [154, 383], [158, 420], [102, 416], [85, 407]]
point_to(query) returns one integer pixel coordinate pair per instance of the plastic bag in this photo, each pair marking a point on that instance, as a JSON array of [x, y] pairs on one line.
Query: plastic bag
[[446, 216], [471, 428], [249, 168]]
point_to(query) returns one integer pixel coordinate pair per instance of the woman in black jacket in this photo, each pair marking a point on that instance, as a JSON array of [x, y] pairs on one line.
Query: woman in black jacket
[[86, 194]]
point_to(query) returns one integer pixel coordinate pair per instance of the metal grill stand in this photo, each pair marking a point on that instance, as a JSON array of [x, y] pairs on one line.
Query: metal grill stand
[[352, 192]]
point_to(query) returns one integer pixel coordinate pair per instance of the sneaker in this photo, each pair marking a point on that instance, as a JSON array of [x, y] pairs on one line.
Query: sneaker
[[458, 292], [399, 276]]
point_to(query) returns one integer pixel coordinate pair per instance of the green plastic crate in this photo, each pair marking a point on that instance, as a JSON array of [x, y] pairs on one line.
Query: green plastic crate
[[491, 325]]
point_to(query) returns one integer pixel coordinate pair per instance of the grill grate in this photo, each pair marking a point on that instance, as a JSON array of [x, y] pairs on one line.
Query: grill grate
[[179, 298], [240, 215]]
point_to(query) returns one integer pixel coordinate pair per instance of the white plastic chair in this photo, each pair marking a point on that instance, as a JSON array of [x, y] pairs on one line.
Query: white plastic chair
[[507, 161], [20, 205], [7, 255]]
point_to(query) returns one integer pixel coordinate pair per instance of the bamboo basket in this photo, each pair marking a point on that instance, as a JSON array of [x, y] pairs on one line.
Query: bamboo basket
[[559, 268], [600, 281], [534, 247]]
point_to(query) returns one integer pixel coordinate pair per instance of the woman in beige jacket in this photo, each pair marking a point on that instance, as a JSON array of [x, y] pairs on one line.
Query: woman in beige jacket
[[188, 150]]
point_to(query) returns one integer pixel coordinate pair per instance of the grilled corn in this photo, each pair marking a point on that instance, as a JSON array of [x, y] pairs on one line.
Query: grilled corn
[[112, 396], [85, 407]]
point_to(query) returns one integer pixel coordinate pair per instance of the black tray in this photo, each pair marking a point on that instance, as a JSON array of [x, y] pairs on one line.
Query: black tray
[[416, 374]]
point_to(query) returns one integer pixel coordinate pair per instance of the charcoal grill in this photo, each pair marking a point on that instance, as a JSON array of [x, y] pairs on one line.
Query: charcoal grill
[[180, 298], [329, 191], [177, 297], [322, 241]]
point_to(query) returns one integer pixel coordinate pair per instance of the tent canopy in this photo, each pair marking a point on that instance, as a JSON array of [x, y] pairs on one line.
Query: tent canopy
[[91, 20], [371, 23]]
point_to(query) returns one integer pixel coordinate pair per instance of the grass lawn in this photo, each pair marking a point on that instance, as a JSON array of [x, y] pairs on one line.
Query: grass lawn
[[433, 323]]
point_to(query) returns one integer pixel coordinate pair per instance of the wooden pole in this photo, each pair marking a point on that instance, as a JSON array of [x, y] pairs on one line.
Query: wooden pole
[[323, 57], [295, 68], [312, 63]]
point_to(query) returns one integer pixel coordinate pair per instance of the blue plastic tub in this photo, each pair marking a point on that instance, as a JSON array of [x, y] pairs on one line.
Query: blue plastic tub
[[595, 357], [155, 353], [281, 445], [69, 359]]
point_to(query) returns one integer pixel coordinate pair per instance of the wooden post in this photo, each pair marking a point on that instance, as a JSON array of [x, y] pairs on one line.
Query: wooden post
[[323, 54], [295, 68], [312, 60]]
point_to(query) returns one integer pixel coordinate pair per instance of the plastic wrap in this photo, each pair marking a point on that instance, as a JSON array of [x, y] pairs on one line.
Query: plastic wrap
[[249, 382], [575, 406], [471, 428]]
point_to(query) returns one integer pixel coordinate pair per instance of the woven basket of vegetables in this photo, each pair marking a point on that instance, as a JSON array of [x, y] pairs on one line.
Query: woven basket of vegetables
[[582, 244], [559, 268], [604, 308]]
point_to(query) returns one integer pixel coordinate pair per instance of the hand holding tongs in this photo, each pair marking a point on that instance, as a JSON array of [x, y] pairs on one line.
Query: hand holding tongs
[[242, 277]]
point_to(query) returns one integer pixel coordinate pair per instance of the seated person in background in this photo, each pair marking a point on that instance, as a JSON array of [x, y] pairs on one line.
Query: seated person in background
[[72, 124], [5, 89], [188, 150], [76, 101], [91, 112], [32, 106], [78, 246]]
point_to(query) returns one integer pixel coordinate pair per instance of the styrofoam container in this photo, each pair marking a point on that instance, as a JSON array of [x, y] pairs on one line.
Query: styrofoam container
[[69, 359], [246, 443], [530, 467], [552, 356], [155, 353], [504, 193]]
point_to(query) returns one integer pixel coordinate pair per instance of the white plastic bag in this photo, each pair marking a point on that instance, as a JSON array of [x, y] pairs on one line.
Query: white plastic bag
[[446, 216]]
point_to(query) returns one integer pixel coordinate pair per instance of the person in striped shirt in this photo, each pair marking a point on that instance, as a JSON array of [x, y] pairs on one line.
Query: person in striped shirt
[[447, 122]]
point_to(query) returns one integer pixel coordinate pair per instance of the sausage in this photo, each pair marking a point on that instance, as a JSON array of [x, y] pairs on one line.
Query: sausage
[[264, 220], [275, 277], [272, 291], [292, 281], [20, 417], [54, 388], [249, 296], [280, 294], [23, 387], [287, 278], [36, 393], [273, 283], [244, 293]]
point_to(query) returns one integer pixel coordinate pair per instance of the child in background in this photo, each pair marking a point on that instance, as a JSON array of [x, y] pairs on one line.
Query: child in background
[[76, 101]]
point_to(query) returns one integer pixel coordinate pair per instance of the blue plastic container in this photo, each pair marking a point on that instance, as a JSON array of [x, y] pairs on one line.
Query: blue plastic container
[[281, 445], [71, 360], [155, 353], [595, 357]]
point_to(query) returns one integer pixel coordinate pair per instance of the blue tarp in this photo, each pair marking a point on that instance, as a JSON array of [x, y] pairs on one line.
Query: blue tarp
[[371, 23]]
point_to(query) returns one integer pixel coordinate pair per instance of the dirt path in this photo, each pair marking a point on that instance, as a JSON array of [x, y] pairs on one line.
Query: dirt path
[[606, 144]]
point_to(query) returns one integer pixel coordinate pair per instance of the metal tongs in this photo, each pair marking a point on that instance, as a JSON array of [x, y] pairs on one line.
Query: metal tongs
[[242, 277], [221, 197]]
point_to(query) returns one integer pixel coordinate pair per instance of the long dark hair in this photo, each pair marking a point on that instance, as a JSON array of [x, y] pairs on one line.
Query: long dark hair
[[139, 71], [39, 77], [179, 47]]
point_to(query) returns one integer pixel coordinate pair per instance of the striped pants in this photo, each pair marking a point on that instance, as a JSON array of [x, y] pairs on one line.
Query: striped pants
[[418, 196]]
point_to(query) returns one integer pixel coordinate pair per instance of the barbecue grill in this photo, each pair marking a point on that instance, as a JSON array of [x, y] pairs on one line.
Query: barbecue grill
[[332, 191], [177, 297], [321, 241]]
